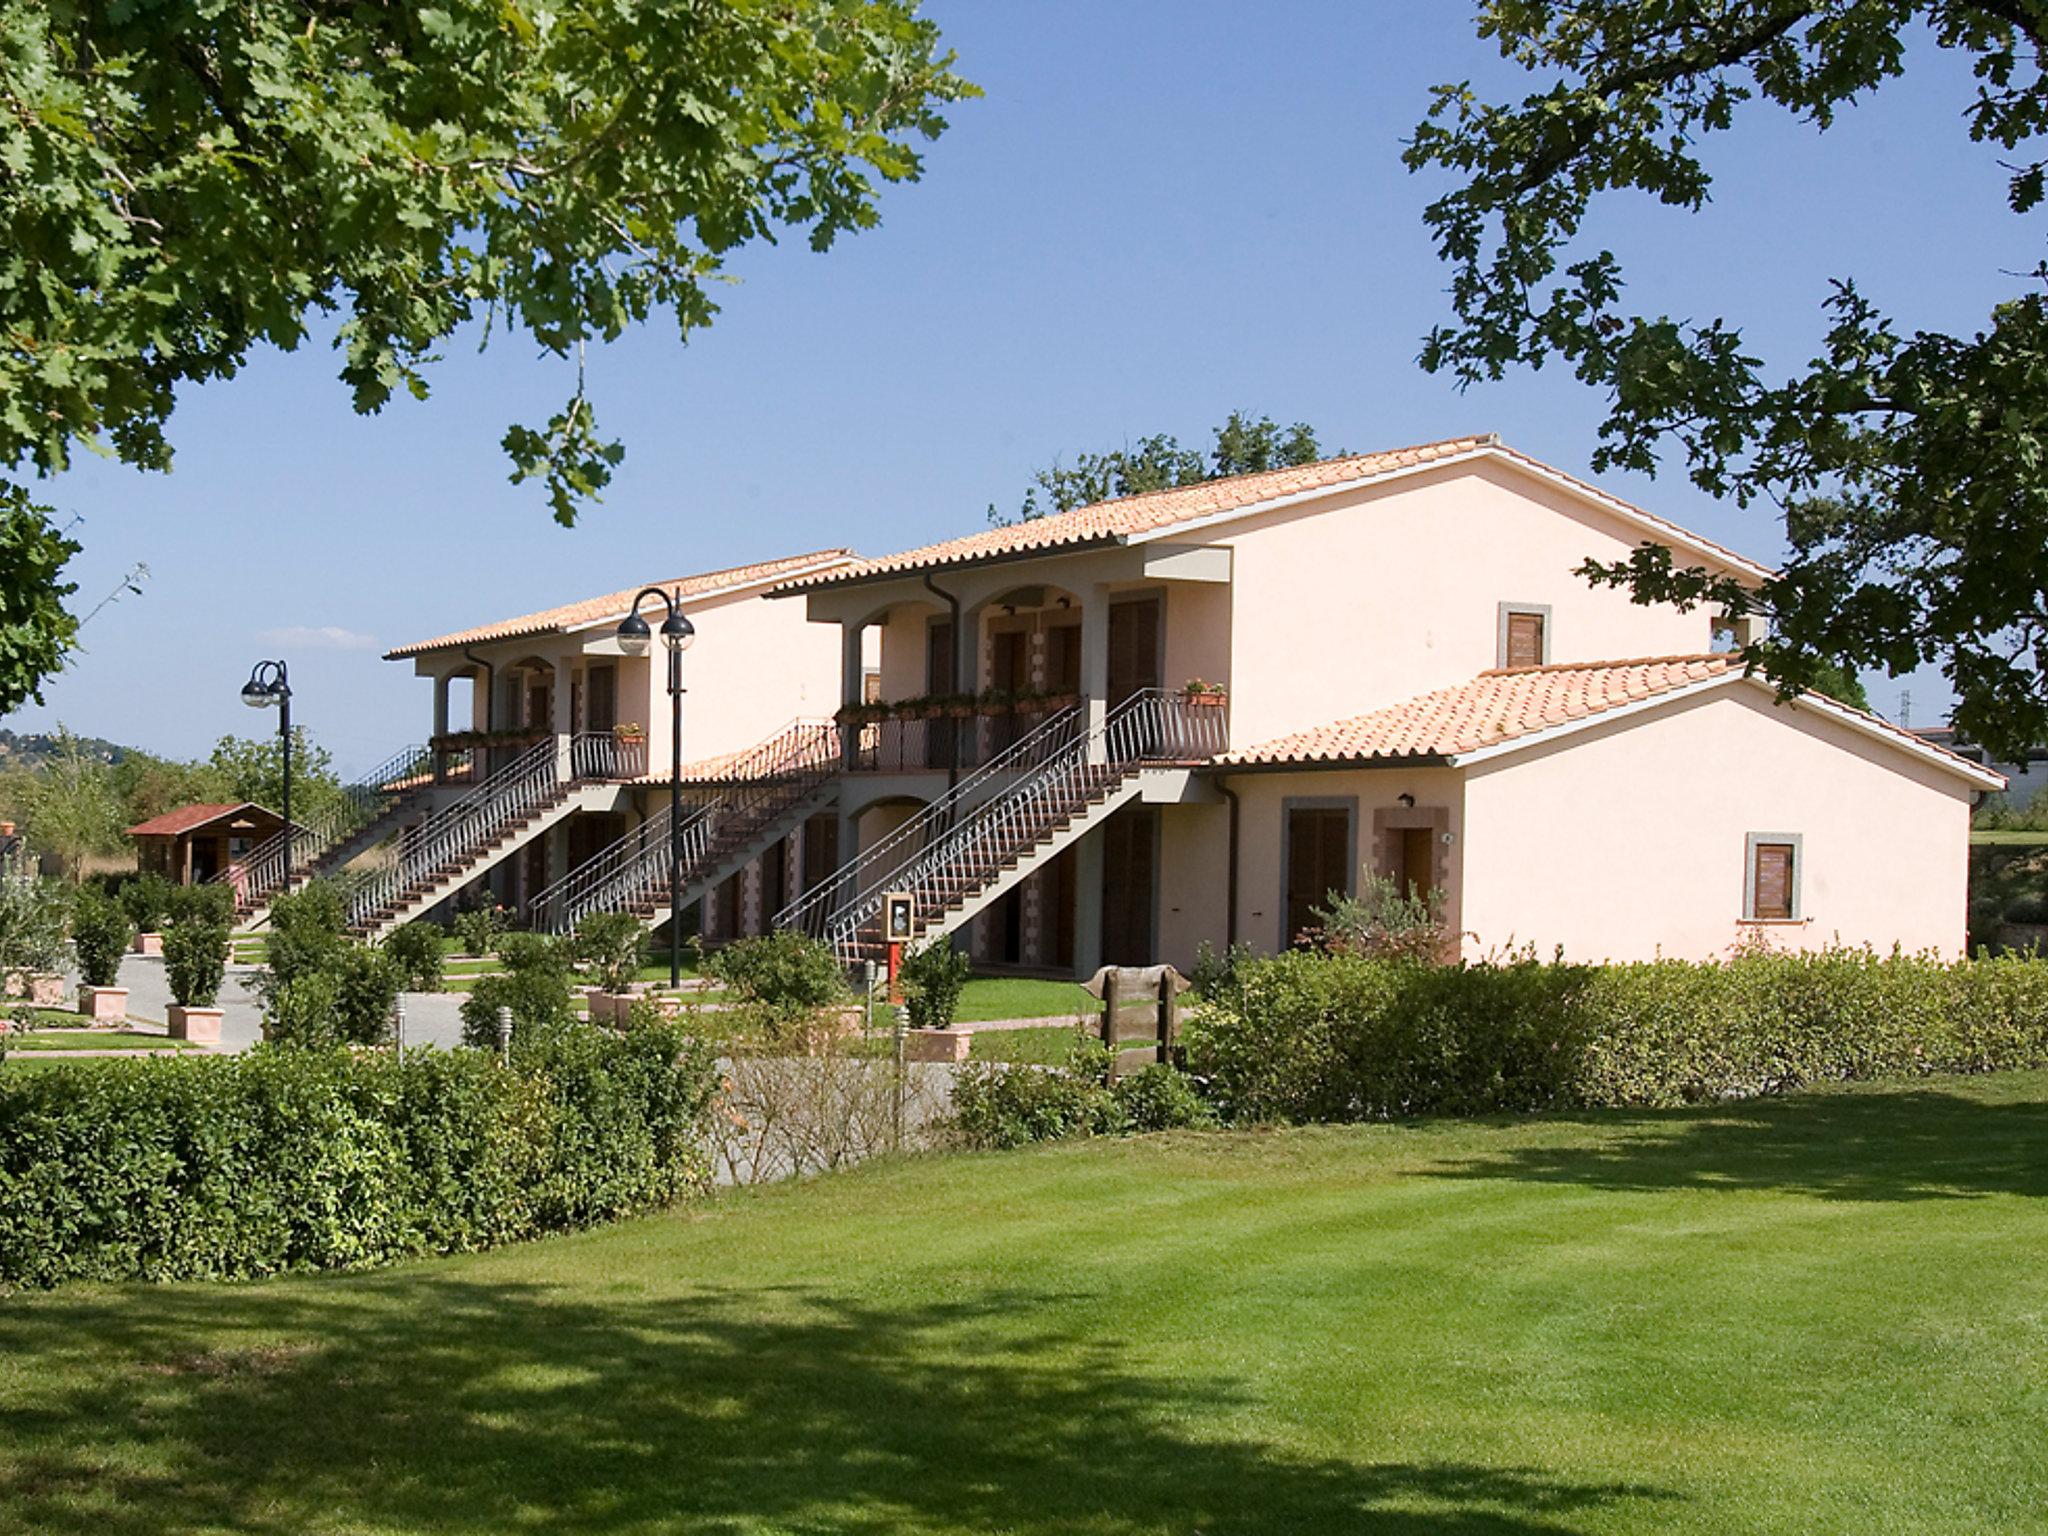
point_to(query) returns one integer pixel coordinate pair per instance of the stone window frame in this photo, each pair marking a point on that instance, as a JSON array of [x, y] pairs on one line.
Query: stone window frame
[[1749, 846], [1403, 818]]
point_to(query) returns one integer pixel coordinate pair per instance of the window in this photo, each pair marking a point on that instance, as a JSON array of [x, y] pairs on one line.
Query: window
[[1319, 858], [1524, 639], [1771, 882]]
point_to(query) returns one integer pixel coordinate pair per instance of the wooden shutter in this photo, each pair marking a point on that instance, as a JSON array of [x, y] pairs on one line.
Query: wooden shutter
[[1318, 862], [1525, 640], [1063, 658], [1771, 881], [1010, 663], [938, 658]]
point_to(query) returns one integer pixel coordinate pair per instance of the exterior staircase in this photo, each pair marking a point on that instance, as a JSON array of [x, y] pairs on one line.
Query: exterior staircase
[[999, 825], [366, 814], [760, 798], [444, 852]]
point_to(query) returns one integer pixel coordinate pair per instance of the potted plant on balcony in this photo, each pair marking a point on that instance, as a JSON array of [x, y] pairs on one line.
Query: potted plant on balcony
[[195, 964], [629, 730], [1204, 695], [100, 932]]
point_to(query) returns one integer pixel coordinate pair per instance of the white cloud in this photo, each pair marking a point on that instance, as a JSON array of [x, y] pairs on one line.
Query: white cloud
[[318, 637]]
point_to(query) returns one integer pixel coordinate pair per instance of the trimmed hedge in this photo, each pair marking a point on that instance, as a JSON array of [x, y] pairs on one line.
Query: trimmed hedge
[[284, 1159], [1306, 1036]]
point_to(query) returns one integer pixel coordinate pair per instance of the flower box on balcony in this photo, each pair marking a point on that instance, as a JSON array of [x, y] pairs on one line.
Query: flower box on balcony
[[1206, 700]]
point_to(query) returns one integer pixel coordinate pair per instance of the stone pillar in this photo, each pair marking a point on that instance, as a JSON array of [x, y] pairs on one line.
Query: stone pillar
[[564, 723], [1095, 669], [1087, 856], [440, 725]]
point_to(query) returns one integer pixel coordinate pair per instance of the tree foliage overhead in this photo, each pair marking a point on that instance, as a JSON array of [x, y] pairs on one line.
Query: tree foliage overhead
[[1912, 466], [1242, 447], [186, 180]]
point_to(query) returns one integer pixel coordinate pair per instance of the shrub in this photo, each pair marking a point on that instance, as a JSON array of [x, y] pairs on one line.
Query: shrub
[[33, 917], [1342, 1037], [307, 929], [280, 1160], [535, 986], [999, 1107], [415, 948], [479, 929], [933, 978], [1384, 922], [614, 947], [100, 935], [147, 901], [195, 961], [213, 902], [789, 973]]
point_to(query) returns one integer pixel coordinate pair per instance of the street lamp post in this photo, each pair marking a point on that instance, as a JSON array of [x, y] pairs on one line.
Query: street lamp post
[[676, 634], [270, 683]]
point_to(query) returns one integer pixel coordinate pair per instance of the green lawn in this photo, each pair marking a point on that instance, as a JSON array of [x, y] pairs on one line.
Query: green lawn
[[2009, 836], [1825, 1314], [1023, 997], [95, 1040]]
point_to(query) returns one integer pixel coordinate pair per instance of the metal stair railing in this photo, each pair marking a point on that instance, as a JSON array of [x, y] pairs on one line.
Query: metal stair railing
[[261, 871], [1148, 727], [458, 832], [815, 910], [757, 787]]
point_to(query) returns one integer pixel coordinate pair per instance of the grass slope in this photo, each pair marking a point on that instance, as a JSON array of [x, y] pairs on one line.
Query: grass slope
[[1819, 1314]]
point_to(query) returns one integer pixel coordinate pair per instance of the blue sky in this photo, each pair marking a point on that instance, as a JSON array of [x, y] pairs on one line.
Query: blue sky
[[1162, 210]]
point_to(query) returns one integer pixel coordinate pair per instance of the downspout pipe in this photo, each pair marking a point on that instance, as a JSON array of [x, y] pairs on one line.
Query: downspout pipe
[[490, 687], [1230, 895], [952, 601]]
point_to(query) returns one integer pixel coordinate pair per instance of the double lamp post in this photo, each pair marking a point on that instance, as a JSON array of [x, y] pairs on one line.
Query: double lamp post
[[676, 634], [270, 683]]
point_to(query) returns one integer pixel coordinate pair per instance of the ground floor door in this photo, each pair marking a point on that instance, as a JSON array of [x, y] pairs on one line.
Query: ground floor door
[[821, 849], [1130, 840]]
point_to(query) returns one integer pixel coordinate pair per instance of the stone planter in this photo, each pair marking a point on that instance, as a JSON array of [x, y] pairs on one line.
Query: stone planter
[[103, 1005], [43, 991], [149, 944], [937, 1044], [201, 1026]]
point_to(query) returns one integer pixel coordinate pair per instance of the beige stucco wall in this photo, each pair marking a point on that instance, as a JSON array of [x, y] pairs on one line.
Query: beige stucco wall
[[756, 666], [1262, 849], [1194, 881], [1628, 840], [1363, 600]]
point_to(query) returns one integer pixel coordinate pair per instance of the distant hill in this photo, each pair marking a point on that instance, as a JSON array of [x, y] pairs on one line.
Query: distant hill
[[30, 748]]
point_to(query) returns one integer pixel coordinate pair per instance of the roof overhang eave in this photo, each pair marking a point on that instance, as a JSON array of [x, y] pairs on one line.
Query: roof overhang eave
[[913, 572]]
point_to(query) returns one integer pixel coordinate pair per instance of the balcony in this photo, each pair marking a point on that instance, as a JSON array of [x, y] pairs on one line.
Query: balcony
[[469, 757], [940, 735]]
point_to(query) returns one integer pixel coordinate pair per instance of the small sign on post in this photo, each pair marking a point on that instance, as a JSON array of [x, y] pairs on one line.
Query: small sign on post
[[899, 915]]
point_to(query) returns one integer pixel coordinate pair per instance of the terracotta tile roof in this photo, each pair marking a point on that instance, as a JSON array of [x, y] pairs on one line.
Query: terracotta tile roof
[[1494, 707], [1135, 517], [188, 818], [1508, 704], [612, 605]]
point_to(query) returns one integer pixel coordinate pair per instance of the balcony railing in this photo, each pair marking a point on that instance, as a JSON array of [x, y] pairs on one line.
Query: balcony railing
[[941, 742], [469, 757]]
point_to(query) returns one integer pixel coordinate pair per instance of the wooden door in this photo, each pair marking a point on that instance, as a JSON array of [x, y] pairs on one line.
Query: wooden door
[[1009, 672], [1063, 659], [1133, 647], [1318, 862], [1128, 841], [603, 702], [774, 882], [821, 850]]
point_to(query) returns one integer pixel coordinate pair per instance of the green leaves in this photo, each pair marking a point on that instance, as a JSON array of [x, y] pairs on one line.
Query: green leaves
[[1908, 463], [183, 183]]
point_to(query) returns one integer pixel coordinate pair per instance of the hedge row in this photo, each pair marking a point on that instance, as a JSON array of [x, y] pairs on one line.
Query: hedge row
[[300, 1159], [1308, 1036]]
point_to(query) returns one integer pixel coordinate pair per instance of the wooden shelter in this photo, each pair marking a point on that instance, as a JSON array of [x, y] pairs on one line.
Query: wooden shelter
[[195, 843]]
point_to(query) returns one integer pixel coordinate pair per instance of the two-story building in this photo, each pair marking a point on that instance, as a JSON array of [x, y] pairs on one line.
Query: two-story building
[[1113, 733]]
